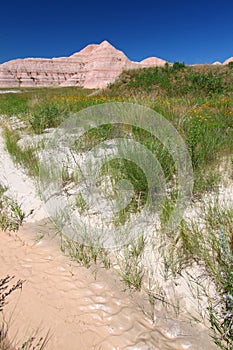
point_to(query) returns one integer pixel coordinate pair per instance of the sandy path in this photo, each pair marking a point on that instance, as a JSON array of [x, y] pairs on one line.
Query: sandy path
[[82, 310]]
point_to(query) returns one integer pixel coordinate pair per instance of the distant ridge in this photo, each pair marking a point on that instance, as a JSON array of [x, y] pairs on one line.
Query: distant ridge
[[228, 60], [95, 66]]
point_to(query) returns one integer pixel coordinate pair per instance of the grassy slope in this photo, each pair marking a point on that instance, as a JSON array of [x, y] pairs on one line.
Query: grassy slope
[[175, 81], [198, 100]]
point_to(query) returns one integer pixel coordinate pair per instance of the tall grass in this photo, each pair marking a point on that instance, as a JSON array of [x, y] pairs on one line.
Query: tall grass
[[198, 100], [25, 158], [11, 215], [209, 243], [12, 104]]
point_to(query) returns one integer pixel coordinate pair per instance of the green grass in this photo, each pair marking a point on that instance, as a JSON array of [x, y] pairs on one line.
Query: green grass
[[209, 245], [47, 115], [26, 158], [51, 112], [208, 137], [12, 104], [131, 269], [198, 101], [86, 255], [202, 117], [11, 215], [32, 100], [175, 81]]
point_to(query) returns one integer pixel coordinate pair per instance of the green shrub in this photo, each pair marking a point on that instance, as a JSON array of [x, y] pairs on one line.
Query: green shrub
[[11, 215], [47, 115], [178, 66], [208, 83]]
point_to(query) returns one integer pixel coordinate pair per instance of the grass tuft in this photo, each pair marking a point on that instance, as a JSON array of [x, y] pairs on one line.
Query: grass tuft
[[11, 215]]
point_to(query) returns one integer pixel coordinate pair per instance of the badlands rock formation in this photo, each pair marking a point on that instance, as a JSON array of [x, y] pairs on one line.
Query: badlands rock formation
[[228, 60], [95, 66]]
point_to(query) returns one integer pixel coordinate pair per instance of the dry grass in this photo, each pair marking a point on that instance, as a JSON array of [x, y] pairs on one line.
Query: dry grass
[[34, 342]]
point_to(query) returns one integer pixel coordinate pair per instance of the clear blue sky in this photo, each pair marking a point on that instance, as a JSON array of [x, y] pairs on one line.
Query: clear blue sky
[[190, 31]]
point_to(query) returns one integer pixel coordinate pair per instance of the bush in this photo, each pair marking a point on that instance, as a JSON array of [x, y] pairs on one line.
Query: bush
[[207, 83], [178, 65], [47, 115]]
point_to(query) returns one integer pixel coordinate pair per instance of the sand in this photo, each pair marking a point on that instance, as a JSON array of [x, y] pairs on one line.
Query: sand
[[81, 308]]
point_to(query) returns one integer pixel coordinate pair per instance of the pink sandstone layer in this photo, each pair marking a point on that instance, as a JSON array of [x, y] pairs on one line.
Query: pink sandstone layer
[[95, 66]]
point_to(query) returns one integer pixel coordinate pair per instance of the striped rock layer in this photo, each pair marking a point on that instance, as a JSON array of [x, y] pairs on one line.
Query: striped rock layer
[[95, 66]]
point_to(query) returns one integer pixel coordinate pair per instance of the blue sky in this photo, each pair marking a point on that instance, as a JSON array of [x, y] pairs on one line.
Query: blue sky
[[189, 31]]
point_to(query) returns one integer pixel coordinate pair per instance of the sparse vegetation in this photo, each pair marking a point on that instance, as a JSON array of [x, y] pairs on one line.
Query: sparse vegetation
[[209, 244], [27, 157], [33, 343], [131, 269], [86, 254], [11, 215]]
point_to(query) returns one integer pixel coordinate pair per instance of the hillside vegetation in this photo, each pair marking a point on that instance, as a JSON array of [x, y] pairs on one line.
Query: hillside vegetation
[[176, 80]]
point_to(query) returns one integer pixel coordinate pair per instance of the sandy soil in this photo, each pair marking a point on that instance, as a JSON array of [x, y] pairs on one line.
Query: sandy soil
[[20, 187], [81, 309]]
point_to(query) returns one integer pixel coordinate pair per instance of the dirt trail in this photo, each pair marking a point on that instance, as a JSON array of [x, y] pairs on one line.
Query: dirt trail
[[83, 310]]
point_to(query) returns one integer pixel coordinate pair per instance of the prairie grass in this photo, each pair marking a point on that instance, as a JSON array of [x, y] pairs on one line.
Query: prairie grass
[[203, 116], [175, 81], [131, 269], [29, 102], [209, 243], [26, 158], [12, 104], [11, 215], [198, 101], [84, 254], [53, 111], [21, 102]]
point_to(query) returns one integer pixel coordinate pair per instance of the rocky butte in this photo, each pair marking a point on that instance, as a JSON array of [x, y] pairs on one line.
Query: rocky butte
[[95, 66]]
